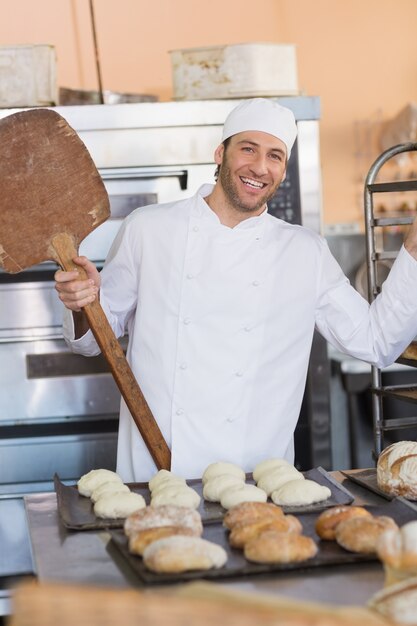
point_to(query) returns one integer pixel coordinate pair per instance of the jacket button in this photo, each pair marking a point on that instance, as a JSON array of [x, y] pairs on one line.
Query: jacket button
[[239, 374], [256, 283], [183, 366], [187, 320], [179, 412]]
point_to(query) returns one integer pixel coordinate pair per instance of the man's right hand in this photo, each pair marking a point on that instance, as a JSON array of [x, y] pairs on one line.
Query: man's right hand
[[75, 293]]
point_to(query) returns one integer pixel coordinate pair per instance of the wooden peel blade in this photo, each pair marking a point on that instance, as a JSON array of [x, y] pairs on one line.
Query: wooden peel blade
[[52, 197]]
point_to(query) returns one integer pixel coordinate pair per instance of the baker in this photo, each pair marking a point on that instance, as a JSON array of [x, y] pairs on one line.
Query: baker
[[220, 301]]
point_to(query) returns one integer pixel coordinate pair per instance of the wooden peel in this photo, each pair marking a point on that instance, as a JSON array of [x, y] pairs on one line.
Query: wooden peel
[[51, 198]]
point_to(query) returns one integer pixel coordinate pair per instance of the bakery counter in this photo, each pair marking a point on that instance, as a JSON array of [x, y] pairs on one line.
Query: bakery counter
[[90, 558]]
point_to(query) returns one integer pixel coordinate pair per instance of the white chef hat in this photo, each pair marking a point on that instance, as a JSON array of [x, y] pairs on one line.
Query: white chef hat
[[264, 115]]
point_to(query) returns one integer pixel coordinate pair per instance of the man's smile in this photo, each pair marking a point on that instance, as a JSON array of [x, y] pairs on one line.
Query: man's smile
[[250, 182]]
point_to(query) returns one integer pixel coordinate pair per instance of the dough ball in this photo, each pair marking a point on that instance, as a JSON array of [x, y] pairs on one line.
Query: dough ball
[[238, 494], [174, 481], [181, 554], [222, 467], [161, 477], [181, 495], [214, 487], [94, 479], [271, 481], [300, 493], [108, 488], [267, 466], [118, 505]]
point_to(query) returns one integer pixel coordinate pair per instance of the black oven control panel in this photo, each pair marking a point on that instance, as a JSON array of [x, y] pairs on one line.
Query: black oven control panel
[[286, 203]]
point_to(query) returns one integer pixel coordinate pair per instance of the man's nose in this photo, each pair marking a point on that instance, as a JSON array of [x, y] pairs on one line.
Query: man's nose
[[259, 165]]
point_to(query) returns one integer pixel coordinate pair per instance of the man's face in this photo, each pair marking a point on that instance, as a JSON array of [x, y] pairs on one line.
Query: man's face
[[251, 169]]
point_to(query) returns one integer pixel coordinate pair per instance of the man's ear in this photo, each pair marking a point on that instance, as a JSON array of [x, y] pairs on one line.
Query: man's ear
[[218, 154]]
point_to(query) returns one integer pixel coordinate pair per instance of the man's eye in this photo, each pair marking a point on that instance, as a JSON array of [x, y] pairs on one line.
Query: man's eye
[[247, 149]]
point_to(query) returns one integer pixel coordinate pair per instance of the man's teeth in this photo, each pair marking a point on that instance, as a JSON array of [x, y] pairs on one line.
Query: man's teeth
[[252, 183]]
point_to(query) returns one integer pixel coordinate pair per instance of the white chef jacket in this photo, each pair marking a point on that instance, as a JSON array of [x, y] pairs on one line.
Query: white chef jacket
[[220, 323]]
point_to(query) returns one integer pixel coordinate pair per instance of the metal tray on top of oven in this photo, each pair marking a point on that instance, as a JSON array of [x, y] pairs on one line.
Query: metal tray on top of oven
[[367, 478], [329, 552], [77, 513]]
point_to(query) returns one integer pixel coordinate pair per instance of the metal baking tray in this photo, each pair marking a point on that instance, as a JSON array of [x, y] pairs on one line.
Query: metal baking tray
[[367, 478], [77, 513], [329, 553]]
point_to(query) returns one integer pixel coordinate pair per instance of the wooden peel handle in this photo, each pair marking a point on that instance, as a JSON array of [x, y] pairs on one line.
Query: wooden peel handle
[[111, 349]]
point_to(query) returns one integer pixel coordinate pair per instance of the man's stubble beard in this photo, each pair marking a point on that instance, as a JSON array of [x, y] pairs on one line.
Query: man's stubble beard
[[230, 189]]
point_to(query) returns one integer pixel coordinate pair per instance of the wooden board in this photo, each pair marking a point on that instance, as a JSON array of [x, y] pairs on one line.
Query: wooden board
[[52, 197]]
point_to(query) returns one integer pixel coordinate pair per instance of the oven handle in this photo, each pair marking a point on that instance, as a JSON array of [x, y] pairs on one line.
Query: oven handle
[[25, 338], [128, 173]]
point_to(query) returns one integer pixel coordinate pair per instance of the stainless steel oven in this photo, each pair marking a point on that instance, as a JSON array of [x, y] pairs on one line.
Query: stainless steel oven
[[59, 411]]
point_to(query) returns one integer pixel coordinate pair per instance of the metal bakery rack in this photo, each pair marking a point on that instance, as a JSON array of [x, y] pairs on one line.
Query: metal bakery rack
[[375, 254]]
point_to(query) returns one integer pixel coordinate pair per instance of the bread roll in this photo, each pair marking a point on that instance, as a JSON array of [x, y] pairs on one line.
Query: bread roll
[[181, 554], [180, 495], [268, 466], [222, 467], [398, 547], [278, 547], [95, 478], [271, 481], [139, 541], [300, 493], [118, 505], [176, 481], [244, 493], [213, 489], [242, 533], [153, 517], [360, 534], [107, 488], [329, 519], [397, 469], [397, 603], [249, 512]]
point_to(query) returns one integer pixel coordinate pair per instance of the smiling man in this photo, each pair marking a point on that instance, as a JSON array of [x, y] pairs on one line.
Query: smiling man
[[221, 299]]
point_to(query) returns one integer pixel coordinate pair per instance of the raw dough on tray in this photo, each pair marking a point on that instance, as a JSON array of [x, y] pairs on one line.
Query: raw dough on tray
[[238, 494], [118, 505], [222, 467], [94, 479], [300, 493], [215, 487], [107, 488]]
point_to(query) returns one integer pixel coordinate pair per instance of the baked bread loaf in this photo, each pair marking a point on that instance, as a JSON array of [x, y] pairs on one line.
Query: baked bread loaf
[[360, 534], [267, 466], [397, 469], [241, 493], [300, 493], [181, 554], [397, 603], [177, 494], [278, 547], [276, 478], [242, 533], [95, 478], [215, 487], [249, 512], [329, 519], [119, 505], [139, 541], [153, 517], [397, 549], [222, 467]]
